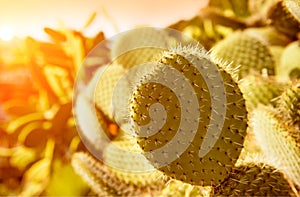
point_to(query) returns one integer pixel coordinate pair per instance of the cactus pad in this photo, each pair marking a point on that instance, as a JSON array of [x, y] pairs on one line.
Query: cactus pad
[[254, 180], [289, 104], [103, 182], [246, 53], [123, 157], [276, 141], [285, 16], [175, 148], [258, 89]]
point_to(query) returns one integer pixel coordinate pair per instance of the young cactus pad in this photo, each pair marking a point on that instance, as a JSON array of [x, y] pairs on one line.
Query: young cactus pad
[[245, 52], [190, 117]]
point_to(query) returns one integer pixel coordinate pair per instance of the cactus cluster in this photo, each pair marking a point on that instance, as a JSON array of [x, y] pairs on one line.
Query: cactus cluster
[[194, 114]]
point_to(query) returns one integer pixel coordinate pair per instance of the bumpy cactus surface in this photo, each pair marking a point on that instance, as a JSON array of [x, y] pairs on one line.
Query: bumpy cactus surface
[[187, 166]]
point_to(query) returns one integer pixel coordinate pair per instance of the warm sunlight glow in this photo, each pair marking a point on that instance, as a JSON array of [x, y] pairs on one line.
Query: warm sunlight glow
[[6, 33]]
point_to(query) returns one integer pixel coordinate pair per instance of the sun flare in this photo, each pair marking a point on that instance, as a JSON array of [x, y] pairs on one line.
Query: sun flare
[[6, 33]]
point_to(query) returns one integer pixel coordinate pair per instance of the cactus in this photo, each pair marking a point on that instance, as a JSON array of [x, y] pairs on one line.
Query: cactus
[[188, 167], [285, 16], [105, 89], [277, 141], [254, 179], [289, 105], [104, 183], [258, 89], [245, 52], [289, 66], [138, 46], [123, 157]]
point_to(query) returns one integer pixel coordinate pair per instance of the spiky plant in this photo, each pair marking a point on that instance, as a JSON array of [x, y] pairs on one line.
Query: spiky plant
[[174, 149], [245, 52], [258, 89], [277, 141], [254, 179], [285, 16], [104, 182]]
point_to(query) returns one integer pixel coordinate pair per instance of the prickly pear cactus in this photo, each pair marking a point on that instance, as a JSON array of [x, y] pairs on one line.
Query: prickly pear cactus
[[105, 89], [254, 179], [277, 141], [285, 16], [123, 157], [186, 121], [104, 182], [289, 105], [258, 89], [140, 50], [245, 52]]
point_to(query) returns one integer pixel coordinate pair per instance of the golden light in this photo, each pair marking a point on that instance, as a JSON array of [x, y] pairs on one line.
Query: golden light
[[6, 33]]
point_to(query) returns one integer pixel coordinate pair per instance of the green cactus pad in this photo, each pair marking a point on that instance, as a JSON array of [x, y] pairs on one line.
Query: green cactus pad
[[289, 105], [276, 141], [258, 89], [285, 16], [254, 180], [187, 165], [123, 157], [103, 181], [246, 53], [289, 65]]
